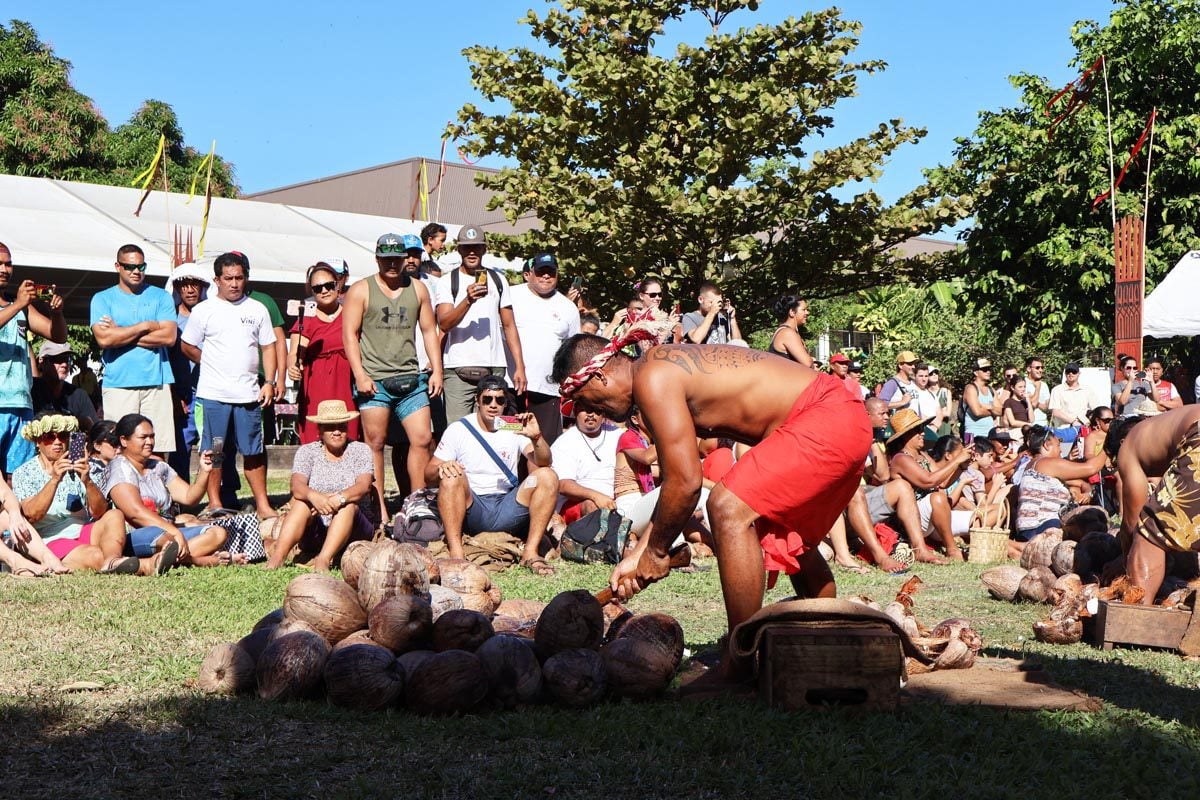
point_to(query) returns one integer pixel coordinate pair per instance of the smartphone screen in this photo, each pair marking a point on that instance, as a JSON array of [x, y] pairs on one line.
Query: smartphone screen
[[577, 283], [75, 445], [43, 291], [218, 451], [481, 277]]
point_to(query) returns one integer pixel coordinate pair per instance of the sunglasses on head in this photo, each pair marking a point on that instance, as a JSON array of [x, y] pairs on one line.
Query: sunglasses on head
[[397, 248], [131, 267], [492, 399], [318, 288]]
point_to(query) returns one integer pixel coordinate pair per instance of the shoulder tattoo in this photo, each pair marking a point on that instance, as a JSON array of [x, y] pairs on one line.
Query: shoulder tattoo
[[704, 359]]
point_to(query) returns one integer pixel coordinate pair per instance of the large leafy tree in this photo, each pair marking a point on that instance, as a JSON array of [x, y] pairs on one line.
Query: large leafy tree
[[701, 162], [49, 129], [1042, 256]]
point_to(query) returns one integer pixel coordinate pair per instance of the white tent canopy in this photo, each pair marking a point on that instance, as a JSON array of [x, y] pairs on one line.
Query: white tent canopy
[[1171, 309], [77, 228]]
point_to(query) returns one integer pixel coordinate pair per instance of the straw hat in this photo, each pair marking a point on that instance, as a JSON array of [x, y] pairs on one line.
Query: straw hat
[[332, 412], [905, 422], [1147, 408]]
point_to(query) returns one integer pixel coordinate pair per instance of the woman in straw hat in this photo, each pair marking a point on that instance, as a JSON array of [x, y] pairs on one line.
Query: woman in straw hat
[[329, 478]]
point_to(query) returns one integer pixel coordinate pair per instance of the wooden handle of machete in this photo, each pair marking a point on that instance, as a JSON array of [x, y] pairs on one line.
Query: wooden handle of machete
[[680, 557]]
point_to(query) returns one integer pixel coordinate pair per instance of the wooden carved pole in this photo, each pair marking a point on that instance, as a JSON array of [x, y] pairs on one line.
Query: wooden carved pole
[[1130, 287]]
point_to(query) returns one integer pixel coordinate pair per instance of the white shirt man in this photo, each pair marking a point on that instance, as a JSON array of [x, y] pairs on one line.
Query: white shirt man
[[545, 319], [1037, 390], [925, 402], [585, 458], [1069, 401]]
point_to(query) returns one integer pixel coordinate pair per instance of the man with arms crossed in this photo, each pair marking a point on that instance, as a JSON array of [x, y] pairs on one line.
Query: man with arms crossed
[[810, 441]]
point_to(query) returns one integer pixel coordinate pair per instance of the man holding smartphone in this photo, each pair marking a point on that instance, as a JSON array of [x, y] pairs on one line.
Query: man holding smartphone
[[545, 319], [474, 311], [20, 312]]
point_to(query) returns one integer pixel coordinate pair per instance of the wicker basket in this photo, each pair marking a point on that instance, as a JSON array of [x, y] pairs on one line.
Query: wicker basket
[[989, 545]]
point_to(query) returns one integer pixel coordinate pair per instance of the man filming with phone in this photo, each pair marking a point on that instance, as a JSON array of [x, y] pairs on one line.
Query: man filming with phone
[[21, 311], [715, 322]]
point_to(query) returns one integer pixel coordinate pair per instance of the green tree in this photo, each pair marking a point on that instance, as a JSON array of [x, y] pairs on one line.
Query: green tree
[[49, 129], [1043, 257], [697, 163]]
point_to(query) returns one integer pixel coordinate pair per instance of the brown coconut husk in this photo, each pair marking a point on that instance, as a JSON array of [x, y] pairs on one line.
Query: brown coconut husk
[[572, 620], [431, 566], [291, 626], [1082, 520], [413, 659], [352, 561], [1040, 551], [1036, 585], [292, 667], [461, 629], [1068, 584], [517, 608], [662, 630], [513, 672], [270, 619], [1062, 560], [227, 669], [446, 683], [402, 623], [1093, 552], [256, 641], [330, 606], [484, 602], [513, 627], [442, 600], [638, 668], [358, 637], [462, 576], [391, 569], [364, 677], [1003, 582], [575, 678]]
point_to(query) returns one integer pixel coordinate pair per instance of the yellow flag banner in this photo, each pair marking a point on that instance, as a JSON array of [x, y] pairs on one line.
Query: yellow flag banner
[[205, 162], [424, 189], [207, 196], [147, 177]]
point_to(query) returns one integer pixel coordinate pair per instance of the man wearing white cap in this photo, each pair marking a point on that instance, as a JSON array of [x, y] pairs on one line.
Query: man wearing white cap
[[53, 393], [189, 285]]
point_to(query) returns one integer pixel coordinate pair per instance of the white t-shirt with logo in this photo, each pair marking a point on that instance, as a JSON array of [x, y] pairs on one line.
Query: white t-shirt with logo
[[483, 474], [544, 323], [478, 339], [229, 336], [589, 461], [925, 403]]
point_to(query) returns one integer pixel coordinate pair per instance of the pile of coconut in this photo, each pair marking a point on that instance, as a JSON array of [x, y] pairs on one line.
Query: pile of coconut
[[1067, 574], [403, 630], [951, 644]]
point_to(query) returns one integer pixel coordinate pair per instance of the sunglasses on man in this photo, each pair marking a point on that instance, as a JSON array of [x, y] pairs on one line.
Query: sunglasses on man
[[492, 399], [133, 267]]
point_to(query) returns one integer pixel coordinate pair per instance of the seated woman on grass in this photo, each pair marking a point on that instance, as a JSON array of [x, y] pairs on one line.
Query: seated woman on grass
[[329, 478], [21, 548], [145, 489], [1044, 493], [60, 499]]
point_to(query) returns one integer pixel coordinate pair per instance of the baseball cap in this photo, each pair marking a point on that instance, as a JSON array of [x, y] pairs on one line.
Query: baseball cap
[[906, 357], [1072, 366], [52, 349], [982, 363], [542, 261], [338, 265], [839, 358], [411, 242], [390, 245], [471, 234], [856, 366]]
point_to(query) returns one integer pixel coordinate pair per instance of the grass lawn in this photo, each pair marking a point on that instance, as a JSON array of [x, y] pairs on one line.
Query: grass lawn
[[147, 733]]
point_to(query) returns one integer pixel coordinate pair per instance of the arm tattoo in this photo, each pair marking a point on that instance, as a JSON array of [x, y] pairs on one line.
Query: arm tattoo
[[704, 359]]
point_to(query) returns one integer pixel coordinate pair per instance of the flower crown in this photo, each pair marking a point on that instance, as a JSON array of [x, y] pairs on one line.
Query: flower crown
[[52, 423]]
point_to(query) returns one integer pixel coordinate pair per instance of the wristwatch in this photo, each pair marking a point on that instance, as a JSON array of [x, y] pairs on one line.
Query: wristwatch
[[269, 383]]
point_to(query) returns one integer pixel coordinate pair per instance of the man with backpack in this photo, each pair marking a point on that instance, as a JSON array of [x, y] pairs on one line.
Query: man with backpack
[[474, 311]]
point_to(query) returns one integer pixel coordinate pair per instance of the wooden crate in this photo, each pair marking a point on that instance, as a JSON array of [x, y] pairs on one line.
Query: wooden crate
[[804, 667], [1140, 626]]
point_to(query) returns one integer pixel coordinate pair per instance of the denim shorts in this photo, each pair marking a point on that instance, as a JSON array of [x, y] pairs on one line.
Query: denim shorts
[[240, 421], [402, 407], [18, 448], [141, 540], [496, 512]]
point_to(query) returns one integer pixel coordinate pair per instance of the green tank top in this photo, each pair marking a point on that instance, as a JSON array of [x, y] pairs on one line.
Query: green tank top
[[388, 340]]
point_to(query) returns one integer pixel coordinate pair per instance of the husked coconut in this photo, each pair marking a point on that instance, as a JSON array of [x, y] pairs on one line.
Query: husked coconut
[[256, 641], [352, 561], [227, 669], [615, 617], [1082, 520], [358, 637], [1066, 584], [413, 659], [402, 623], [461, 629], [1067, 631], [462, 576], [431, 566], [575, 678], [1094, 551], [513, 672], [330, 606], [446, 683], [364, 677], [517, 608], [1035, 586], [269, 619], [572, 620], [661, 630], [442, 600], [1003, 582], [514, 627], [291, 626], [391, 569], [957, 655], [1062, 560], [292, 666], [1039, 551], [638, 668]]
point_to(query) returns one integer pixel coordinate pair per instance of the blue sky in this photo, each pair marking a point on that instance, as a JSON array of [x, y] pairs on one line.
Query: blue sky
[[299, 91]]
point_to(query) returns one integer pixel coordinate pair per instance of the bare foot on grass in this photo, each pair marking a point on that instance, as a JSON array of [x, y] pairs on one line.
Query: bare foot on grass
[[927, 556], [889, 564], [853, 566]]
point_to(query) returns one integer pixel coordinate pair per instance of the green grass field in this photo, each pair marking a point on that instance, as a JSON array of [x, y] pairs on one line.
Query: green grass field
[[148, 733]]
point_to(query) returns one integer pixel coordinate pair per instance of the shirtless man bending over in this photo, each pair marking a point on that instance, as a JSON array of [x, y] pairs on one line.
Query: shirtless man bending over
[[1164, 517], [810, 439]]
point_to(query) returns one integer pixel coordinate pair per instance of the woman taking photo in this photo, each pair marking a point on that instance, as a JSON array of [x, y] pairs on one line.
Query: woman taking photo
[[66, 507], [329, 478], [792, 313], [317, 359], [145, 489]]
